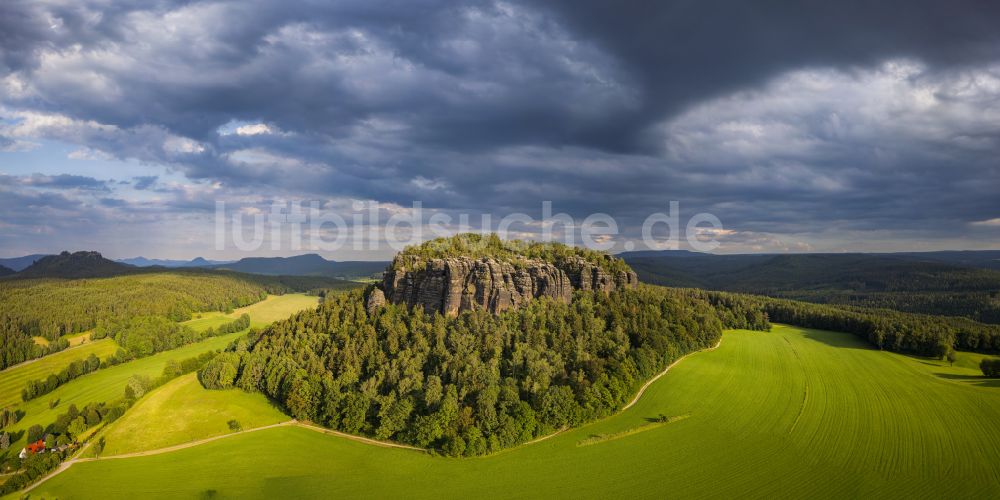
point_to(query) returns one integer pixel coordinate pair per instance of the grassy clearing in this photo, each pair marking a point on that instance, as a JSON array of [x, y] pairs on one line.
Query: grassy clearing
[[78, 338], [277, 307], [12, 380], [183, 411], [263, 313], [790, 413]]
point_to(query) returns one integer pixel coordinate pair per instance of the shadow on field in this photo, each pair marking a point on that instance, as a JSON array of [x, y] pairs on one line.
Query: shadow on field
[[977, 380], [839, 340]]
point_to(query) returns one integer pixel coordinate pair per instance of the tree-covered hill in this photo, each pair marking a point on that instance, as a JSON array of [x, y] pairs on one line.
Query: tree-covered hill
[[5, 271], [74, 265], [478, 382]]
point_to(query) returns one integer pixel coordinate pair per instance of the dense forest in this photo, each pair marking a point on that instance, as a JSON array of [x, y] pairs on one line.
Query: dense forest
[[52, 308], [475, 383], [981, 306], [903, 283], [476, 246]]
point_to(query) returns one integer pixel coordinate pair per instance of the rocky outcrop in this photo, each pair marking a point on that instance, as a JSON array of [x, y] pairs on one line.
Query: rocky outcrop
[[374, 300], [452, 285]]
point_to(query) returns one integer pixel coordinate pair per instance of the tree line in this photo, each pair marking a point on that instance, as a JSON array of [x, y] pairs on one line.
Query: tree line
[[886, 329], [34, 388]]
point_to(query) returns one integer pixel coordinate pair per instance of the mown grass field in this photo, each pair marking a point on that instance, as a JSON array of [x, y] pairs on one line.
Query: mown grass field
[[790, 413], [12, 379], [183, 411]]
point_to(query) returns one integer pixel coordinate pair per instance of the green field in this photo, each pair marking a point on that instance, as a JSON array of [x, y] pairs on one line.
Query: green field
[[183, 411], [790, 413], [12, 379]]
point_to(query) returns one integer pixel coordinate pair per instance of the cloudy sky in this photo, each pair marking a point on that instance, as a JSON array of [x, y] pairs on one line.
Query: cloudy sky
[[803, 126]]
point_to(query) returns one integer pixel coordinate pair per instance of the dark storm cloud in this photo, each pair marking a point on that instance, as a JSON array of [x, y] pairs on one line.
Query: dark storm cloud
[[683, 52], [596, 106]]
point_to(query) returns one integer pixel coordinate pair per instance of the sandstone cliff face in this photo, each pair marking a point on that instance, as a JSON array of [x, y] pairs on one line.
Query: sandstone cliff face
[[453, 285]]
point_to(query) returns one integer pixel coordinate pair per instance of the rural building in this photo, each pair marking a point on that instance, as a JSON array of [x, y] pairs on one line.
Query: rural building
[[32, 448]]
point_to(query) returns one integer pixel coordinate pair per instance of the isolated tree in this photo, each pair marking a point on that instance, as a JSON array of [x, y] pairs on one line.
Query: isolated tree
[[951, 357], [35, 432], [77, 427], [99, 447], [92, 417], [136, 387], [990, 367], [4, 441]]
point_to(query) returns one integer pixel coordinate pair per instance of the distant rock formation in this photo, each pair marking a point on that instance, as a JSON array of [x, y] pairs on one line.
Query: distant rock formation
[[74, 266], [452, 285]]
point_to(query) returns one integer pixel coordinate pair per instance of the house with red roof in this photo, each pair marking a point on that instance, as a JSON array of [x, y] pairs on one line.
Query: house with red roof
[[32, 448]]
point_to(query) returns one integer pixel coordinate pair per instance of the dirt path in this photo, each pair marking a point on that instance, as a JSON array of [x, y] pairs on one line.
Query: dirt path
[[664, 372], [189, 444], [360, 439], [66, 465]]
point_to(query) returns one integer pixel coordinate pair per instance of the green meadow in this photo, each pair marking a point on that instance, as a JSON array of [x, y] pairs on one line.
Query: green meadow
[[787, 413], [183, 411]]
